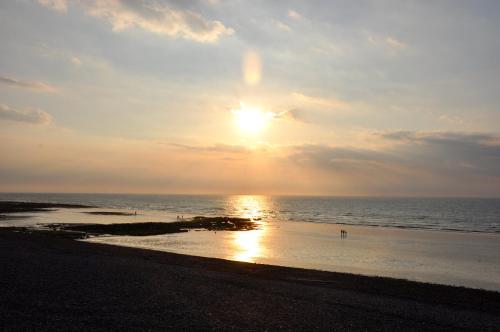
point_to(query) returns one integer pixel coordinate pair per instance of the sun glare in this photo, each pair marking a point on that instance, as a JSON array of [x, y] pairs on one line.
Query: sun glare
[[251, 120]]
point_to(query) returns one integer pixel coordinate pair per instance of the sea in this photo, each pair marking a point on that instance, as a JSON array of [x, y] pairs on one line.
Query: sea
[[444, 214]]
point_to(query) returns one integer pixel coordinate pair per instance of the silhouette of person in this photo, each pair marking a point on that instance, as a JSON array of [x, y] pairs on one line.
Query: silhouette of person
[[343, 234]]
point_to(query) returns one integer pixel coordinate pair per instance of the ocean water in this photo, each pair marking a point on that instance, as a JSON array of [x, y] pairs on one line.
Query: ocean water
[[448, 214]]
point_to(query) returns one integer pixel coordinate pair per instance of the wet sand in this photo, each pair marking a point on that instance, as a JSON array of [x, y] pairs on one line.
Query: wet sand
[[53, 284]]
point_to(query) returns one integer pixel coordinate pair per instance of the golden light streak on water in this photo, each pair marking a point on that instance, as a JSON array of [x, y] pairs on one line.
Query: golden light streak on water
[[247, 245], [250, 206]]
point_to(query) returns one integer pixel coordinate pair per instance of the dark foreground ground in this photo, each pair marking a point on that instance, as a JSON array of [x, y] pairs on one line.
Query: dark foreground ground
[[51, 284]]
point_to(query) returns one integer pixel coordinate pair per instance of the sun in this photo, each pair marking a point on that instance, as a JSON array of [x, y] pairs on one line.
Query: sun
[[251, 120]]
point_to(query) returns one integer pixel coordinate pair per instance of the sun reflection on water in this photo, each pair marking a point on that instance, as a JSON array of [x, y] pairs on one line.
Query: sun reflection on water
[[250, 206], [247, 245]]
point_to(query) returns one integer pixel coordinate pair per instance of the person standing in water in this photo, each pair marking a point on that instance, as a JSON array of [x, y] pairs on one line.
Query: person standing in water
[[343, 234]]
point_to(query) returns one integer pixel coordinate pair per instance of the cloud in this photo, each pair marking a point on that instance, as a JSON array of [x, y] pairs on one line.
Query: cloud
[[57, 5], [76, 61], [311, 109], [227, 149], [449, 155], [394, 43], [291, 114], [293, 14], [153, 16], [28, 115], [33, 85], [331, 103], [281, 26], [451, 119], [391, 42], [401, 135], [222, 148], [340, 160], [434, 137], [445, 157]]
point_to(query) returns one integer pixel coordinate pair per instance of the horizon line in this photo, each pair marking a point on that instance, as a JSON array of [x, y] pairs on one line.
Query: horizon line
[[245, 194]]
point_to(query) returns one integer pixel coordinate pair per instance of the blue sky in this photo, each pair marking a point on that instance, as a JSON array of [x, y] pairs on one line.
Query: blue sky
[[363, 98]]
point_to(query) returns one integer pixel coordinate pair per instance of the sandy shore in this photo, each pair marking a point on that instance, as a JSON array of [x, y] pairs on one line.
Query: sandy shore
[[58, 284]]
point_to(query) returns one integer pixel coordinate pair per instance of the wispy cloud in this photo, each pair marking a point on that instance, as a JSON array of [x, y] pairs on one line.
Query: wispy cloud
[[331, 103], [76, 61], [451, 119], [445, 136], [33, 85], [281, 26], [394, 43], [153, 16], [390, 42], [57, 5], [222, 148], [293, 14], [28, 115], [69, 57], [398, 136]]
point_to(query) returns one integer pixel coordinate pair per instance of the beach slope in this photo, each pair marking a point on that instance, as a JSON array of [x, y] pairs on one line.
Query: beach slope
[[50, 283]]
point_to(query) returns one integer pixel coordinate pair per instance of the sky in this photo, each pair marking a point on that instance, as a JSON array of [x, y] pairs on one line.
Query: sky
[[377, 98]]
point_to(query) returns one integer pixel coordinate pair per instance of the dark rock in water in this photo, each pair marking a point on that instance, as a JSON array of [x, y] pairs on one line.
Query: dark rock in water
[[81, 231], [48, 231], [109, 213], [156, 228], [11, 217], [12, 207]]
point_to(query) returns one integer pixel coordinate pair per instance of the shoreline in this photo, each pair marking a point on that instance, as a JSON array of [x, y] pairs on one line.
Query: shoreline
[[41, 270]]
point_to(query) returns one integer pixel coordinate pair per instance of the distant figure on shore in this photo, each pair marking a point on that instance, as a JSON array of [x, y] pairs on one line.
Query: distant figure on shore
[[135, 213], [343, 234]]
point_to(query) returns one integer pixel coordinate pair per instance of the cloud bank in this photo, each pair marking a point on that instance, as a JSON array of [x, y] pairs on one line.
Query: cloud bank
[[28, 115], [416, 163], [152, 16], [34, 85]]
